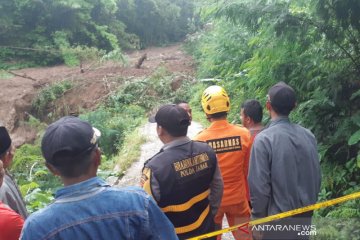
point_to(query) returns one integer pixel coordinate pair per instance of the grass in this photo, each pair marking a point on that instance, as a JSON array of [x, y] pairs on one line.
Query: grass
[[200, 117], [48, 95], [5, 75], [129, 153]]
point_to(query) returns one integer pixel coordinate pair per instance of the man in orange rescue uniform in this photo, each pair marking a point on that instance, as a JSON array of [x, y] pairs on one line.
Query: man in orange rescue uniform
[[231, 144]]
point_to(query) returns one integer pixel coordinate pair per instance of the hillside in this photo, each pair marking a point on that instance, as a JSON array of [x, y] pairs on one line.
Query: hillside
[[88, 90]]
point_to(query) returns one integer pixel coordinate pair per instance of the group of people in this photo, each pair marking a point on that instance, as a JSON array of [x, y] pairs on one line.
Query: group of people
[[187, 188]]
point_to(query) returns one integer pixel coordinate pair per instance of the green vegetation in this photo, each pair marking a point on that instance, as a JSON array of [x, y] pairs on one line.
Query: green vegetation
[[194, 100], [51, 32], [114, 124], [47, 95], [36, 183], [126, 109], [314, 46], [4, 74], [129, 153]]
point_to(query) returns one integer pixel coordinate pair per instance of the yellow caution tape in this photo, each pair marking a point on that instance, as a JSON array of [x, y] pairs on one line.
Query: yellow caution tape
[[281, 215]]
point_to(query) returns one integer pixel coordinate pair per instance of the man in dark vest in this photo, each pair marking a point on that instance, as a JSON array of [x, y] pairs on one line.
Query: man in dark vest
[[183, 177]]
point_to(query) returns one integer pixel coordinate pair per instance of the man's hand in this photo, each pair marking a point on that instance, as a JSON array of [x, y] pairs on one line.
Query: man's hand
[[257, 235]]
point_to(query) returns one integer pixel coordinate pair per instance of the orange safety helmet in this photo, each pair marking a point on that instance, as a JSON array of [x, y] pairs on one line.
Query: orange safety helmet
[[214, 100]]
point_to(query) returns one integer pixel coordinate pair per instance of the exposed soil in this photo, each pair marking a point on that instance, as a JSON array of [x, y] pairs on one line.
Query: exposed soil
[[90, 87]]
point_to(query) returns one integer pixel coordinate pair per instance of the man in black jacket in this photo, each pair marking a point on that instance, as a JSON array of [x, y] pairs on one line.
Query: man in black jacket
[[183, 177]]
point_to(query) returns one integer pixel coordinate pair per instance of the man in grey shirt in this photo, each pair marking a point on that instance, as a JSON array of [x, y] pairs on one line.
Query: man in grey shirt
[[9, 192], [284, 171]]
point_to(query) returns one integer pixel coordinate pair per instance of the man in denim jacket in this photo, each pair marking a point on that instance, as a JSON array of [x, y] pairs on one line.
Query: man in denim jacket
[[87, 207]]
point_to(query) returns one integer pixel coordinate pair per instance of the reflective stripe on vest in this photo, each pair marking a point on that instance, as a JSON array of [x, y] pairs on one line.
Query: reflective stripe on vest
[[188, 204], [195, 225]]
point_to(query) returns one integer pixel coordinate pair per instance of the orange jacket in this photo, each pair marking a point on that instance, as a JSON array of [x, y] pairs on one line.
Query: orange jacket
[[11, 223], [232, 146]]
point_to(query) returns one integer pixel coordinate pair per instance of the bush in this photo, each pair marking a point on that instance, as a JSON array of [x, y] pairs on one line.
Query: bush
[[35, 181], [47, 95], [112, 131]]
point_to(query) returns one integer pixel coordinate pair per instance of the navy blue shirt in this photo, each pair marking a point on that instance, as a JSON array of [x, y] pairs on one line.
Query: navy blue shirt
[[94, 210]]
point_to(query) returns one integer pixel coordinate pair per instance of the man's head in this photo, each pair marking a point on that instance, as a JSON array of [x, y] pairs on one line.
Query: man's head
[[6, 148], [70, 148], [281, 99], [251, 113], [174, 119], [215, 102], [185, 105]]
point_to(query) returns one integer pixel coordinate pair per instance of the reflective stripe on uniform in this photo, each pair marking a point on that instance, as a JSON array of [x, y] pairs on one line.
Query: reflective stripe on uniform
[[188, 204], [194, 225]]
